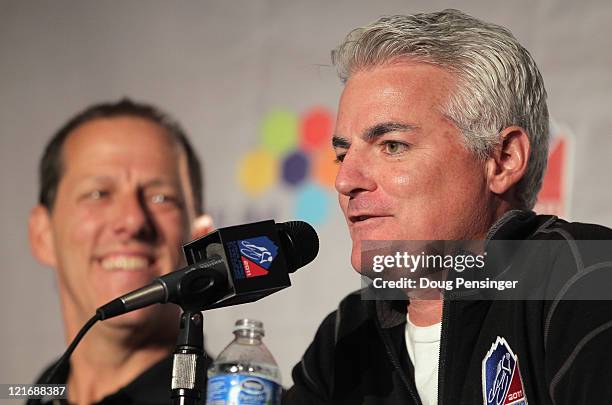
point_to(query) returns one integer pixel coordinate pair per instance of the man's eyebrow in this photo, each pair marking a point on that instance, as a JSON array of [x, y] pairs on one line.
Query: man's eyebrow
[[340, 142], [378, 130], [154, 182], [159, 182], [95, 179], [374, 132]]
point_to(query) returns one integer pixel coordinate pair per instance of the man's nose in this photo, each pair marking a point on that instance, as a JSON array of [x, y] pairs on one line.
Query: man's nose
[[132, 217], [354, 174]]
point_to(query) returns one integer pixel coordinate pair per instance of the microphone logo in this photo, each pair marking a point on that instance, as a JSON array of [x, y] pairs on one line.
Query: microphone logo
[[256, 253], [252, 257]]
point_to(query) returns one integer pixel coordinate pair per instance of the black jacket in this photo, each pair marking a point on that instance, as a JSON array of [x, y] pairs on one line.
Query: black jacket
[[563, 346], [152, 387]]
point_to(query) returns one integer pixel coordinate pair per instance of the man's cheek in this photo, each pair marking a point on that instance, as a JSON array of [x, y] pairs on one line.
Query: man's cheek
[[83, 228], [174, 229], [343, 202]]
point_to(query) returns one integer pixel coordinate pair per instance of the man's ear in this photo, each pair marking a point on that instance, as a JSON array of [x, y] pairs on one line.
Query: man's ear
[[508, 163], [41, 236], [201, 226]]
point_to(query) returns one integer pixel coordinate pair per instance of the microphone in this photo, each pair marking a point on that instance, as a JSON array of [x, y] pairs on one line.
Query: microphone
[[230, 266]]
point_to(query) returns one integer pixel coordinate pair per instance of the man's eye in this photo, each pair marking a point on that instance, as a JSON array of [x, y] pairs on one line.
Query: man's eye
[[164, 199], [339, 158], [160, 198], [394, 147], [97, 194]]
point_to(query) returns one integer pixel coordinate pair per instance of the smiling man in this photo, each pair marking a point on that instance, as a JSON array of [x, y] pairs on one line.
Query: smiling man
[[120, 192], [442, 135]]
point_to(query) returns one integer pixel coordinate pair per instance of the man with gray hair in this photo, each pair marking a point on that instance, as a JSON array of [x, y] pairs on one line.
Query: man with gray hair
[[442, 134]]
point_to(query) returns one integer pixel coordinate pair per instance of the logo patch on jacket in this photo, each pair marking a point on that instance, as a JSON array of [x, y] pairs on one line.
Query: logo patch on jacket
[[501, 378]]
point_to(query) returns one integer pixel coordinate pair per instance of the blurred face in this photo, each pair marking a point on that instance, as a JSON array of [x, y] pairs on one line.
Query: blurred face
[[122, 211], [404, 172]]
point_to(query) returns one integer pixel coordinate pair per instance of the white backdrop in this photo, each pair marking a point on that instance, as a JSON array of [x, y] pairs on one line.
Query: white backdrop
[[221, 67]]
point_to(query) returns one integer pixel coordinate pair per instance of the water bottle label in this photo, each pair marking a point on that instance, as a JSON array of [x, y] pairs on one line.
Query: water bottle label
[[237, 389]]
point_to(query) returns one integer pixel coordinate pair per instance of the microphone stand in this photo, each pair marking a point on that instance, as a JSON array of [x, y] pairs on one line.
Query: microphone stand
[[188, 363], [198, 291]]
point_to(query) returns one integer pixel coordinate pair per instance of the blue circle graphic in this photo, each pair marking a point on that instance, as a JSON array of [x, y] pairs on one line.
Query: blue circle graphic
[[295, 168], [313, 203]]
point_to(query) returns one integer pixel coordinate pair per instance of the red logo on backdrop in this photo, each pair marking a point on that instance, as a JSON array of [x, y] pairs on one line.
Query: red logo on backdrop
[[553, 197]]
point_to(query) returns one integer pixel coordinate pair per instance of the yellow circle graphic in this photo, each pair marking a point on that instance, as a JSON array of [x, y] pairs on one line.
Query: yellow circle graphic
[[257, 171]]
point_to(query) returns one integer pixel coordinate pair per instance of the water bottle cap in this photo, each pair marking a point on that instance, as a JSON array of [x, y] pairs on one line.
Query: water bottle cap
[[249, 324]]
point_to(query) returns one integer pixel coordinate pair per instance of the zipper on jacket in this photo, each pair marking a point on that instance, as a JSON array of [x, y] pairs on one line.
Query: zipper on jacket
[[442, 352], [398, 367]]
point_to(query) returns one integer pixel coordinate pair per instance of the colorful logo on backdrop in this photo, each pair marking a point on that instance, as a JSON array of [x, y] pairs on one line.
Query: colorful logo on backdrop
[[553, 197], [252, 257], [294, 152], [502, 383]]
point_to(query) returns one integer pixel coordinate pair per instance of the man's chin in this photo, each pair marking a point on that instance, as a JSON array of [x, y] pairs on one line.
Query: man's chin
[[356, 256], [361, 259], [359, 264]]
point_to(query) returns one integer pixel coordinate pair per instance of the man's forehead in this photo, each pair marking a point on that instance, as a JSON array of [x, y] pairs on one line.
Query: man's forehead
[[398, 84], [109, 145], [117, 134], [118, 129], [405, 94]]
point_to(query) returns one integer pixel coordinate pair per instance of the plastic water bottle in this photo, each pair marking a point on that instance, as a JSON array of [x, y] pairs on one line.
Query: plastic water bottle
[[245, 372]]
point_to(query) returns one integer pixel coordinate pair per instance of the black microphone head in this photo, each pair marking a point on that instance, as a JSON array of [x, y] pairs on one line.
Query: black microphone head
[[300, 243]]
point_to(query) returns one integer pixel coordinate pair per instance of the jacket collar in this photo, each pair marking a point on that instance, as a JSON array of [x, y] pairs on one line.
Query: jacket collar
[[151, 387], [513, 225]]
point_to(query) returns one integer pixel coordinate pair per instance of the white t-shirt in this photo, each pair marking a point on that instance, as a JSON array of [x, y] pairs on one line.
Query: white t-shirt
[[423, 343]]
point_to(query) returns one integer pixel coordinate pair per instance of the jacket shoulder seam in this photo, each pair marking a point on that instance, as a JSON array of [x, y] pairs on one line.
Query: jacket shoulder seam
[[572, 357]]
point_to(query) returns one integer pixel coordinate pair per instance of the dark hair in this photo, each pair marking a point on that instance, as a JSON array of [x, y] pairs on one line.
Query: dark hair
[[51, 164]]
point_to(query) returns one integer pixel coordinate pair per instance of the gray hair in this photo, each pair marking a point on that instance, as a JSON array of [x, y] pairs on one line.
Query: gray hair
[[499, 84]]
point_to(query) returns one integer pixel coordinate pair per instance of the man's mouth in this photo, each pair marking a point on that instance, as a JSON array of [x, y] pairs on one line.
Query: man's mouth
[[125, 262], [361, 218]]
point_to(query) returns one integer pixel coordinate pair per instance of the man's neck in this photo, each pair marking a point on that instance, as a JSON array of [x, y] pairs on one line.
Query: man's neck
[[425, 312], [100, 367], [111, 355]]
